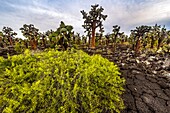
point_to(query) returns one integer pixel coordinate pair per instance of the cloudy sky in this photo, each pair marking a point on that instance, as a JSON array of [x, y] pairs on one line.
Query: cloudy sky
[[47, 14]]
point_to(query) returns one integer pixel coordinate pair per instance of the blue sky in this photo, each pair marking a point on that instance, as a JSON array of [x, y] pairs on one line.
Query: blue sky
[[47, 14]]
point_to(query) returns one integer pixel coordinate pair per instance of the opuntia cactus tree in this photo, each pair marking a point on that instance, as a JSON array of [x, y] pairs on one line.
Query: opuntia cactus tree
[[63, 35], [9, 34], [139, 34], [116, 33], [93, 20], [155, 31], [162, 36], [31, 33]]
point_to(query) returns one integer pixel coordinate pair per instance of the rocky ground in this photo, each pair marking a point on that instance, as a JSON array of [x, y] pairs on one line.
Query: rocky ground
[[147, 80], [8, 50]]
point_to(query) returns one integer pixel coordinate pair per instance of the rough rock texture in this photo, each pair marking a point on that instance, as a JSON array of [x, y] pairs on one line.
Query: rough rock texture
[[147, 79], [5, 51]]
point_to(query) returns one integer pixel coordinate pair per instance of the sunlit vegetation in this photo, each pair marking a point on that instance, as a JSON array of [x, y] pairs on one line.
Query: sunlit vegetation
[[59, 82], [61, 79]]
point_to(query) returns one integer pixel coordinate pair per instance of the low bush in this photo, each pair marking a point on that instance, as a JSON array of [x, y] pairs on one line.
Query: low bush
[[59, 82]]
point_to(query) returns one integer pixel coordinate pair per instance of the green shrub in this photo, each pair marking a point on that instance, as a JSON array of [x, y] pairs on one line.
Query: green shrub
[[18, 48], [59, 82]]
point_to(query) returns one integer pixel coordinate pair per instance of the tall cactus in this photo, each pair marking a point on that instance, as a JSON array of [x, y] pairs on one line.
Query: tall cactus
[[93, 20], [9, 34], [30, 32], [63, 35], [139, 34], [162, 35], [155, 31], [116, 33]]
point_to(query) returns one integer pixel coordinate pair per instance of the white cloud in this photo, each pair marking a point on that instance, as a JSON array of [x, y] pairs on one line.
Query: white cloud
[[43, 17], [151, 13]]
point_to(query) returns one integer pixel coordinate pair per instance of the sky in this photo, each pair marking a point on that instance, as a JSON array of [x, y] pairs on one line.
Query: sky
[[47, 14]]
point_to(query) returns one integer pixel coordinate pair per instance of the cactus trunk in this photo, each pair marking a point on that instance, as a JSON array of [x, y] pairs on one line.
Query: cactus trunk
[[93, 35]]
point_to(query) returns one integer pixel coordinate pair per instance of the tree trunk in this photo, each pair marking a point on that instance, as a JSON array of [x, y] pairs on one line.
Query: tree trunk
[[26, 44], [33, 44], [89, 40], [74, 39], [115, 38], [85, 40], [152, 42], [159, 42], [93, 34], [138, 44], [10, 40], [115, 44], [133, 46], [100, 39], [44, 44]]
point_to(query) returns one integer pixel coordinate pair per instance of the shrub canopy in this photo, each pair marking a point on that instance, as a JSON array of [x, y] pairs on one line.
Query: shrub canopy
[[53, 81]]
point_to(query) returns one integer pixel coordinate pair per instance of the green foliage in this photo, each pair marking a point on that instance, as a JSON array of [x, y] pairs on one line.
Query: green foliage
[[166, 48], [18, 48], [62, 36], [59, 82], [8, 34], [93, 20], [32, 34]]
